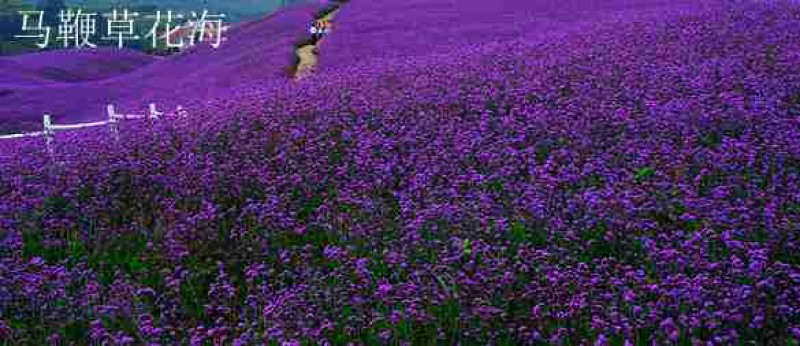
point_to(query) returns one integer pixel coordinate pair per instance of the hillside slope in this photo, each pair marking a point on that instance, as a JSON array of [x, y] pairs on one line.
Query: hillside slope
[[69, 66], [236, 10], [385, 28]]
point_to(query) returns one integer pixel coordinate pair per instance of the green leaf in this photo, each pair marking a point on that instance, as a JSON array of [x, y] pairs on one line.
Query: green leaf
[[518, 231], [644, 173], [135, 265]]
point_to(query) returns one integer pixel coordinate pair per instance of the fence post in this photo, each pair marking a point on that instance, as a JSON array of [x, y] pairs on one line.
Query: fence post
[[153, 112], [180, 111], [154, 115], [112, 122], [48, 137]]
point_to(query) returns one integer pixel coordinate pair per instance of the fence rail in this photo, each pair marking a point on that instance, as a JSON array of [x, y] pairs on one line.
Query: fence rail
[[113, 122], [21, 135]]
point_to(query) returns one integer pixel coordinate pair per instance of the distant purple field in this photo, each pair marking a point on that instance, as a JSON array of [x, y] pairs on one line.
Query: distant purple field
[[254, 52], [68, 66], [386, 28], [629, 179]]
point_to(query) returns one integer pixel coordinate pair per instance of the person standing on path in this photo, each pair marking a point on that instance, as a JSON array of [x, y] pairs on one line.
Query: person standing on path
[[316, 32]]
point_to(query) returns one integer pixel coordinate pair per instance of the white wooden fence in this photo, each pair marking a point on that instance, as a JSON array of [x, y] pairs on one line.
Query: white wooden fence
[[113, 120]]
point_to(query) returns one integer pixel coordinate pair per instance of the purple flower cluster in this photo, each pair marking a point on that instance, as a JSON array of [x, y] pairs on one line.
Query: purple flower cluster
[[630, 180]]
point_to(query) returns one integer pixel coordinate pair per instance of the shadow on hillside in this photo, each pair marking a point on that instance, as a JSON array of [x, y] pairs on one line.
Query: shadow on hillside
[[330, 8], [15, 126]]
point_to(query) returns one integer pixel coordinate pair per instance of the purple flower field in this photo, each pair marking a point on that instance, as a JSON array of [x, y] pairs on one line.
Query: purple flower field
[[386, 28], [630, 176]]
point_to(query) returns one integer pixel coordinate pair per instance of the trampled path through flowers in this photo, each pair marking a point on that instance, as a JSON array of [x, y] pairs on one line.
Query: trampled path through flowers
[[308, 53]]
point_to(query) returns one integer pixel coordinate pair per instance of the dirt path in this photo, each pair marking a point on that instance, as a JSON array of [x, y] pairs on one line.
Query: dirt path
[[308, 53]]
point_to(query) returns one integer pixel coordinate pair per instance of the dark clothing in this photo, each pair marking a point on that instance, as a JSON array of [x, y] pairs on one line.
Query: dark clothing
[[316, 34]]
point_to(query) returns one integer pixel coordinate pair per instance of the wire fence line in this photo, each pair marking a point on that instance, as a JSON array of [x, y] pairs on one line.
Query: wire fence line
[[112, 122]]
